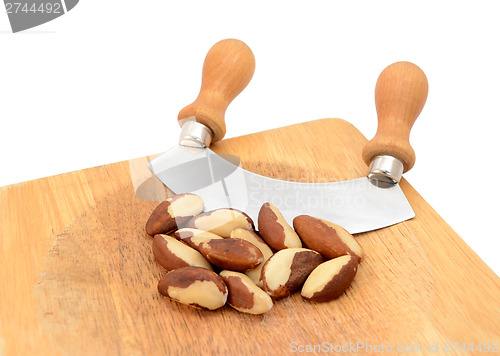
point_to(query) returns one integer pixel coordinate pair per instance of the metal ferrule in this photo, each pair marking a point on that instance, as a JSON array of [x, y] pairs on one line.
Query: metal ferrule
[[195, 135], [385, 171]]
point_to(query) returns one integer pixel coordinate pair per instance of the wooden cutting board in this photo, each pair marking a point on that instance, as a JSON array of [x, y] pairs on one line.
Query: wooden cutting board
[[78, 275]]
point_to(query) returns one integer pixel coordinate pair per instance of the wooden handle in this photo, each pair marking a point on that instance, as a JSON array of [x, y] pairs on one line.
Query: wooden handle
[[228, 68], [400, 96]]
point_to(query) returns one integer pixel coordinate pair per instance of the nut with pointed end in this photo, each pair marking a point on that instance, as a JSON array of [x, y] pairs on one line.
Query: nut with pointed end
[[172, 254], [173, 213], [330, 279], [232, 254], [221, 221], [275, 230], [287, 270], [325, 237], [244, 295], [194, 286], [194, 237], [254, 239]]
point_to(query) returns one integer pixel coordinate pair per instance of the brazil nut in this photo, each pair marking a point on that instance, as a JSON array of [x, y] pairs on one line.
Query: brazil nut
[[194, 237], [221, 221], [254, 239], [231, 254], [275, 230], [325, 237], [330, 279], [172, 254], [244, 295], [194, 286], [173, 213], [287, 269]]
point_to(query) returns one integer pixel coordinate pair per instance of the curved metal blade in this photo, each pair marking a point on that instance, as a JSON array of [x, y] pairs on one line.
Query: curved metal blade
[[356, 204]]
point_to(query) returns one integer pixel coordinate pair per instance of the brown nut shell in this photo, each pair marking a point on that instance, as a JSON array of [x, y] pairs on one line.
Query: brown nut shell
[[173, 213], [287, 270], [194, 286], [325, 237], [254, 239], [330, 279], [244, 295], [231, 254], [172, 254], [221, 221], [275, 230], [194, 237]]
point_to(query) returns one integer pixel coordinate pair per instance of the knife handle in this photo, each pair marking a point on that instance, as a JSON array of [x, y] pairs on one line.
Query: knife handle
[[400, 95], [228, 68]]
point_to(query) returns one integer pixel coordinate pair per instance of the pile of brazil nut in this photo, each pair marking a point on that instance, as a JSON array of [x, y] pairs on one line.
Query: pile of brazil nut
[[217, 257]]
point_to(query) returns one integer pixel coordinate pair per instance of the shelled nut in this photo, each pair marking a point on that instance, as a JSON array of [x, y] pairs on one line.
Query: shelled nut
[[287, 270], [232, 254], [325, 237], [330, 279], [221, 221], [275, 230], [194, 286], [194, 237], [172, 254], [173, 213], [244, 295], [254, 239]]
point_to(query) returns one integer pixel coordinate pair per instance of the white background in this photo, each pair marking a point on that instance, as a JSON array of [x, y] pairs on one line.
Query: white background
[[105, 82]]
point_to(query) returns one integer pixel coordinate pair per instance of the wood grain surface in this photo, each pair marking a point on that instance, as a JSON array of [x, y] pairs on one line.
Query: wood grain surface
[[78, 275]]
